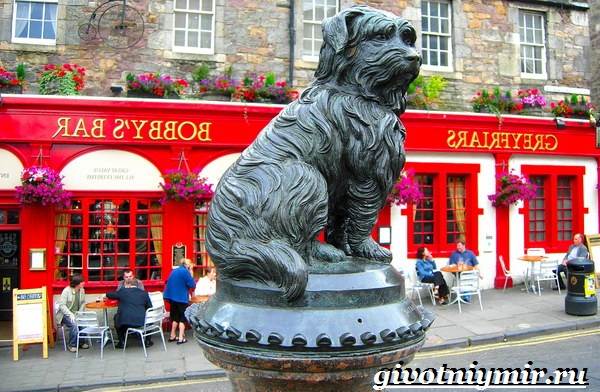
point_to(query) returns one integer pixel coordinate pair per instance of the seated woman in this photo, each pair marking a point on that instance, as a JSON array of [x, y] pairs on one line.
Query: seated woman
[[426, 270]]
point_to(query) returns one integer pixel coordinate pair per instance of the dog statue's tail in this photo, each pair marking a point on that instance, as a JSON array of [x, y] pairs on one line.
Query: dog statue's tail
[[273, 262]]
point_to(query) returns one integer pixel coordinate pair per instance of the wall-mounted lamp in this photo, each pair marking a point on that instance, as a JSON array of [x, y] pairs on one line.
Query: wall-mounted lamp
[[116, 89], [560, 122]]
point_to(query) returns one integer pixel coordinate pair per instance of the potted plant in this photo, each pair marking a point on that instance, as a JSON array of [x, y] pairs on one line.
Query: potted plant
[[66, 79], [576, 106], [12, 82], [406, 189], [185, 185], [424, 93], [215, 88], [531, 101], [42, 185], [512, 188], [154, 85], [264, 88], [496, 102]]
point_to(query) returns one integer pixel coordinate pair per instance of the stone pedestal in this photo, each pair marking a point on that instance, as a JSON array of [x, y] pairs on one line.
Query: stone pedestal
[[352, 321]]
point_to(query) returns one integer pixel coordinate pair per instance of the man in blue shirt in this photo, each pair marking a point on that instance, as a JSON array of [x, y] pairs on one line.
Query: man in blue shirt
[[462, 254]]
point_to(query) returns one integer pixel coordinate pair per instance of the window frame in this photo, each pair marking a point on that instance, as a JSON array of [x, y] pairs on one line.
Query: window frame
[[450, 66], [199, 251], [315, 56], [552, 244], [33, 41], [440, 247], [544, 74], [86, 240], [195, 50]]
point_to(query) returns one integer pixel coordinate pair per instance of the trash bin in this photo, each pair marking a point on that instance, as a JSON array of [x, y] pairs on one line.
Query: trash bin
[[581, 289]]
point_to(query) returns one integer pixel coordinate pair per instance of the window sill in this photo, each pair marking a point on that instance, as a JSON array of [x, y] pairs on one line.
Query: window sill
[[32, 47]]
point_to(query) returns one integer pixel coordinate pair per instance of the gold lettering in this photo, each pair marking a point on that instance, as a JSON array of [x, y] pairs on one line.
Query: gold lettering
[[504, 139], [450, 140], [118, 129], [527, 141], [170, 130], [551, 147], [138, 128], [97, 130], [494, 142], [204, 132], [180, 133], [154, 131], [462, 138], [80, 127], [516, 137], [474, 141], [63, 126], [485, 140], [538, 143]]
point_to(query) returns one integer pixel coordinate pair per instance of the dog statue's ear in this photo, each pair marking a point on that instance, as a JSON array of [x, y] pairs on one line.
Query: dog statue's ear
[[335, 28]]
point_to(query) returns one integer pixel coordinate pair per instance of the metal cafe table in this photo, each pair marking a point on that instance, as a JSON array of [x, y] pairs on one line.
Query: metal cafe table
[[530, 260]]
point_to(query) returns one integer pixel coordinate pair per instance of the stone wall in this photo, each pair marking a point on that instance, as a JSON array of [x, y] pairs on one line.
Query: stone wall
[[595, 49], [253, 35]]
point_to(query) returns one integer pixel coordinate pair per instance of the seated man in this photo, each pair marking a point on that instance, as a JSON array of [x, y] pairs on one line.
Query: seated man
[[464, 256], [576, 249], [131, 313], [72, 300], [128, 277], [207, 285]]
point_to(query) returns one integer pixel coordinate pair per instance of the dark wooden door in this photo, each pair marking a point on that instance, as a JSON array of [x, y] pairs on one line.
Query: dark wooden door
[[10, 251]]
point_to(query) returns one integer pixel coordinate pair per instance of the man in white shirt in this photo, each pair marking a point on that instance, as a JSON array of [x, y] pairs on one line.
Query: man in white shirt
[[207, 285]]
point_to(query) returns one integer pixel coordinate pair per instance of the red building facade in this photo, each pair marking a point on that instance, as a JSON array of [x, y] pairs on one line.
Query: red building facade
[[112, 153]]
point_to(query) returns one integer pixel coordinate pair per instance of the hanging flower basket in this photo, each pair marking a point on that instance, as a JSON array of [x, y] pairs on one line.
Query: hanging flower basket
[[42, 185], [512, 188], [406, 189], [185, 185]]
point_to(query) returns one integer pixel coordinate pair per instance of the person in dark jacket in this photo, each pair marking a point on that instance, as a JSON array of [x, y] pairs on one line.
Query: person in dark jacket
[[131, 313], [576, 249], [177, 292]]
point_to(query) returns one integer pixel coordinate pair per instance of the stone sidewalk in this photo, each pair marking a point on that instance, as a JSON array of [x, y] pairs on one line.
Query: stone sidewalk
[[511, 315]]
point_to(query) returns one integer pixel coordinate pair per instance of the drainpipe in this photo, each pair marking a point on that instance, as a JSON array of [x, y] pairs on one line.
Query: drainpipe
[[292, 38]]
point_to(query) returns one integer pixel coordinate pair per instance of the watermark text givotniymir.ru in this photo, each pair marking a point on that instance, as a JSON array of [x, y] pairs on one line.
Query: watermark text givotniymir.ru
[[480, 378]]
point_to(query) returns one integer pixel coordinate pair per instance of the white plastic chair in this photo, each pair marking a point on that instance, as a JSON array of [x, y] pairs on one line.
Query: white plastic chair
[[415, 285], [468, 284], [152, 326], [157, 299], [60, 327], [545, 272], [506, 272], [89, 328]]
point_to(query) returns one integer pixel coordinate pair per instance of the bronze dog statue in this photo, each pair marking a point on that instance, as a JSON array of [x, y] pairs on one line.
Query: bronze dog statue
[[328, 160]]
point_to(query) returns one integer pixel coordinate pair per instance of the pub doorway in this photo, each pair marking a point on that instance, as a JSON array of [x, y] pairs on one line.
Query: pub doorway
[[10, 250]]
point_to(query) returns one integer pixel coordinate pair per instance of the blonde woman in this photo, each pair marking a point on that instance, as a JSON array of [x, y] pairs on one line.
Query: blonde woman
[[177, 292]]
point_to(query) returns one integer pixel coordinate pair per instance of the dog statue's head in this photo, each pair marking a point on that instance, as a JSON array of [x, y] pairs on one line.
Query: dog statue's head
[[371, 53]]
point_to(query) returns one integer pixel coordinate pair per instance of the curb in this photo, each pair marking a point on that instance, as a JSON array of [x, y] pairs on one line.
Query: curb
[[513, 335]]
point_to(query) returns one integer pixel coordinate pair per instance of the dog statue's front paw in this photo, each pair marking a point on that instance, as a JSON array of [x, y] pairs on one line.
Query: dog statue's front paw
[[326, 252], [369, 249]]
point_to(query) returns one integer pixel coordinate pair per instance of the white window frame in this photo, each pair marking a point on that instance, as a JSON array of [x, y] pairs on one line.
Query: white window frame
[[33, 41], [542, 45], [313, 22], [187, 49], [448, 35]]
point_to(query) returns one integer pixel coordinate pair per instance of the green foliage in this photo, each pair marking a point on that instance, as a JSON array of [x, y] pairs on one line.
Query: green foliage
[[21, 72], [424, 93], [270, 79], [201, 73]]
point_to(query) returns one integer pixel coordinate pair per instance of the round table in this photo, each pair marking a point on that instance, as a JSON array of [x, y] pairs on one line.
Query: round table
[[196, 299], [104, 305], [530, 260]]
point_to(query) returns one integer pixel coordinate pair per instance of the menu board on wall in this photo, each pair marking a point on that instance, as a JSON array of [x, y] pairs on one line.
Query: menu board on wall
[[30, 319]]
